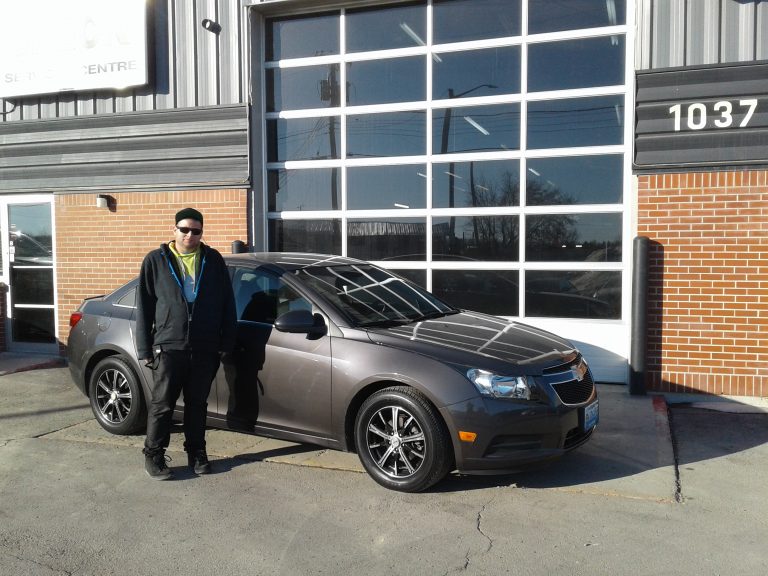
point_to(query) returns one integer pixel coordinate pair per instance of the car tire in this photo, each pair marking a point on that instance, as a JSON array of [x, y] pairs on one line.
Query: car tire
[[409, 456], [117, 399]]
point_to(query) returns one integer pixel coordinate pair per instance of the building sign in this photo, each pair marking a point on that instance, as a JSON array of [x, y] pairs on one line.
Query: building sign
[[50, 46], [709, 116]]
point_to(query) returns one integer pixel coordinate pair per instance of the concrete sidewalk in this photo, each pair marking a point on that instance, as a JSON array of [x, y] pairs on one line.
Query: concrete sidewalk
[[12, 362]]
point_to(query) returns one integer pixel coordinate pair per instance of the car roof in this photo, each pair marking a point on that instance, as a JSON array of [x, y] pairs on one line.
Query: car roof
[[289, 261]]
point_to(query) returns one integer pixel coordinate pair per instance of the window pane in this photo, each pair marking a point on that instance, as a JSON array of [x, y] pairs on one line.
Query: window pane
[[573, 294], [477, 73], [316, 189], [301, 37], [33, 325], [302, 139], [30, 237], [387, 134], [583, 63], [476, 184], [388, 238], [476, 128], [380, 29], [576, 122], [315, 236], [475, 238], [385, 81], [460, 20], [371, 187], [303, 87], [573, 238], [32, 285], [555, 15], [489, 291], [575, 180]]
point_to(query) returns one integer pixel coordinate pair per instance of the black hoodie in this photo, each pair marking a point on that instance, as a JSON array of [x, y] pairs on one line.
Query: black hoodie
[[165, 319]]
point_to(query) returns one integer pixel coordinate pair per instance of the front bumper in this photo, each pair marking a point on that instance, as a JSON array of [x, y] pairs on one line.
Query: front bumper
[[512, 436]]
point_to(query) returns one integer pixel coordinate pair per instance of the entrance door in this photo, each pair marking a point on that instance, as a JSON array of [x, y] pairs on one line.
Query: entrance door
[[26, 225]]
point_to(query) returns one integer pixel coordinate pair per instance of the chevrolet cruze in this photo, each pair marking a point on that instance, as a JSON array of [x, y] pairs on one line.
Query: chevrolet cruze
[[343, 354]]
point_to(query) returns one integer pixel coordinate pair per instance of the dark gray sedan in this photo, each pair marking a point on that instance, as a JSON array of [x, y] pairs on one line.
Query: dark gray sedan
[[340, 353]]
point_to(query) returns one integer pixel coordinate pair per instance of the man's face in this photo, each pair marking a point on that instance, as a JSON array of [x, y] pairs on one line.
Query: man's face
[[185, 237]]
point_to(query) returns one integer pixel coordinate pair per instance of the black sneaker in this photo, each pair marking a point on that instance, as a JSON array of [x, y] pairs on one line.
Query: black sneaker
[[198, 461], [156, 466]]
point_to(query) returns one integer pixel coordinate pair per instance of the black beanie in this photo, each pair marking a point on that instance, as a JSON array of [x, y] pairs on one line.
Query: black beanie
[[190, 213]]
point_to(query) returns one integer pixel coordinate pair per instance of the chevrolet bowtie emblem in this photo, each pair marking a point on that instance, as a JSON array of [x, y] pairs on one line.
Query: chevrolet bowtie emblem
[[579, 371]]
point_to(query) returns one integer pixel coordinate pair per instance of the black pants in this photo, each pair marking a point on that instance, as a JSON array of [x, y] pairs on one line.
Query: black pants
[[176, 371]]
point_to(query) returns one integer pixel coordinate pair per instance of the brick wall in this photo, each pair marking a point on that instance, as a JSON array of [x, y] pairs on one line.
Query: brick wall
[[98, 249], [708, 285]]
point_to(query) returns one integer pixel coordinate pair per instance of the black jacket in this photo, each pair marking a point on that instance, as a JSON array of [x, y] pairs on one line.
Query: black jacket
[[163, 316]]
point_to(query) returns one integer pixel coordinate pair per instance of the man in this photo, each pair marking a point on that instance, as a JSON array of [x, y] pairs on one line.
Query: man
[[185, 320]]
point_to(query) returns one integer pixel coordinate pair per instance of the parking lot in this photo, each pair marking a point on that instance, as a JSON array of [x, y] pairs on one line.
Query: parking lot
[[656, 491]]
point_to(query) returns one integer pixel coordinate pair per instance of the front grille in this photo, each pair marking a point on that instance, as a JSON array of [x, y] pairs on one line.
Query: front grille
[[576, 436], [575, 391], [502, 446]]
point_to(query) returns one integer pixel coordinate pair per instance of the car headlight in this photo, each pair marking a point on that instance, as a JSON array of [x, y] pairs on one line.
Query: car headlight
[[490, 384]]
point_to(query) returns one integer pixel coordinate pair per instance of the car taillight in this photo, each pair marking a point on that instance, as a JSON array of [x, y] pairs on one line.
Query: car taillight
[[74, 318]]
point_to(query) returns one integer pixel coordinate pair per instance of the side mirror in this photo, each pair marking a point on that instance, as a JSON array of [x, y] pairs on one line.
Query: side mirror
[[301, 322]]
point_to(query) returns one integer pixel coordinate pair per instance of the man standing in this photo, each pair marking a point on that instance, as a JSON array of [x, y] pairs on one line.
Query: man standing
[[185, 320]]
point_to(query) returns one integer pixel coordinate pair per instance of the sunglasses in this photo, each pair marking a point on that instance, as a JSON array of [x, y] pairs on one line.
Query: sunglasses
[[184, 230]]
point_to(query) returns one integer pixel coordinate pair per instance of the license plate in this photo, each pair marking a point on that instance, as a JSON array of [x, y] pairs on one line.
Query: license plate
[[591, 416]]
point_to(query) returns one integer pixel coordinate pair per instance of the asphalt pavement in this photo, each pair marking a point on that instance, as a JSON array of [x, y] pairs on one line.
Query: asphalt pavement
[[667, 485]]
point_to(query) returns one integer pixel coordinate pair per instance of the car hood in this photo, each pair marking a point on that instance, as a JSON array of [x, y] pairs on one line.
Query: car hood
[[479, 340]]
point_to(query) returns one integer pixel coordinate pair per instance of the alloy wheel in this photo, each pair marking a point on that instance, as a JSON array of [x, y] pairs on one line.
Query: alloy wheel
[[396, 441], [113, 396]]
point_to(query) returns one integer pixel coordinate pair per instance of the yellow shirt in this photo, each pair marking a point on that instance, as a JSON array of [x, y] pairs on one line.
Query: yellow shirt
[[187, 264]]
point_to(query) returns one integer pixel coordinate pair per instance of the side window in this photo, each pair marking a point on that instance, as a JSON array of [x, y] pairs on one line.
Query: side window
[[262, 297], [128, 299]]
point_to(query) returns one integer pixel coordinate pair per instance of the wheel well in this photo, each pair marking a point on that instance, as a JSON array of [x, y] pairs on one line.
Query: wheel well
[[94, 360], [362, 396]]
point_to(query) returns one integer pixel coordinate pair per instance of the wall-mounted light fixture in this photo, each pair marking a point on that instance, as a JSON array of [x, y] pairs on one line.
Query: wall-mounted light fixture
[[102, 201], [211, 26]]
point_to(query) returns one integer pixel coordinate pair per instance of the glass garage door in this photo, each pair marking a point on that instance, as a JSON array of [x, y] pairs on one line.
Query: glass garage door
[[477, 147]]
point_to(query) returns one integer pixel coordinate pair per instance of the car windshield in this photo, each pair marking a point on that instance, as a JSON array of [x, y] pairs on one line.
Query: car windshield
[[370, 296]]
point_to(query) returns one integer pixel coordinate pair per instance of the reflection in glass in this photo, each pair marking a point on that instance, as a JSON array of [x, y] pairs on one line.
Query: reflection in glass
[[573, 238], [385, 81], [387, 239], [582, 63], [302, 139], [33, 325], [476, 128], [575, 180], [491, 71], [475, 238], [386, 134], [460, 20], [418, 277], [314, 236], [303, 36], [385, 28], [556, 15], [571, 122], [490, 291], [476, 184], [31, 236], [577, 294], [31, 285], [314, 189], [302, 87], [371, 187]]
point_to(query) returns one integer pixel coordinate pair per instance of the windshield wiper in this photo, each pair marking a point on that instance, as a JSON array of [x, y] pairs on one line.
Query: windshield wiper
[[435, 314], [385, 323]]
